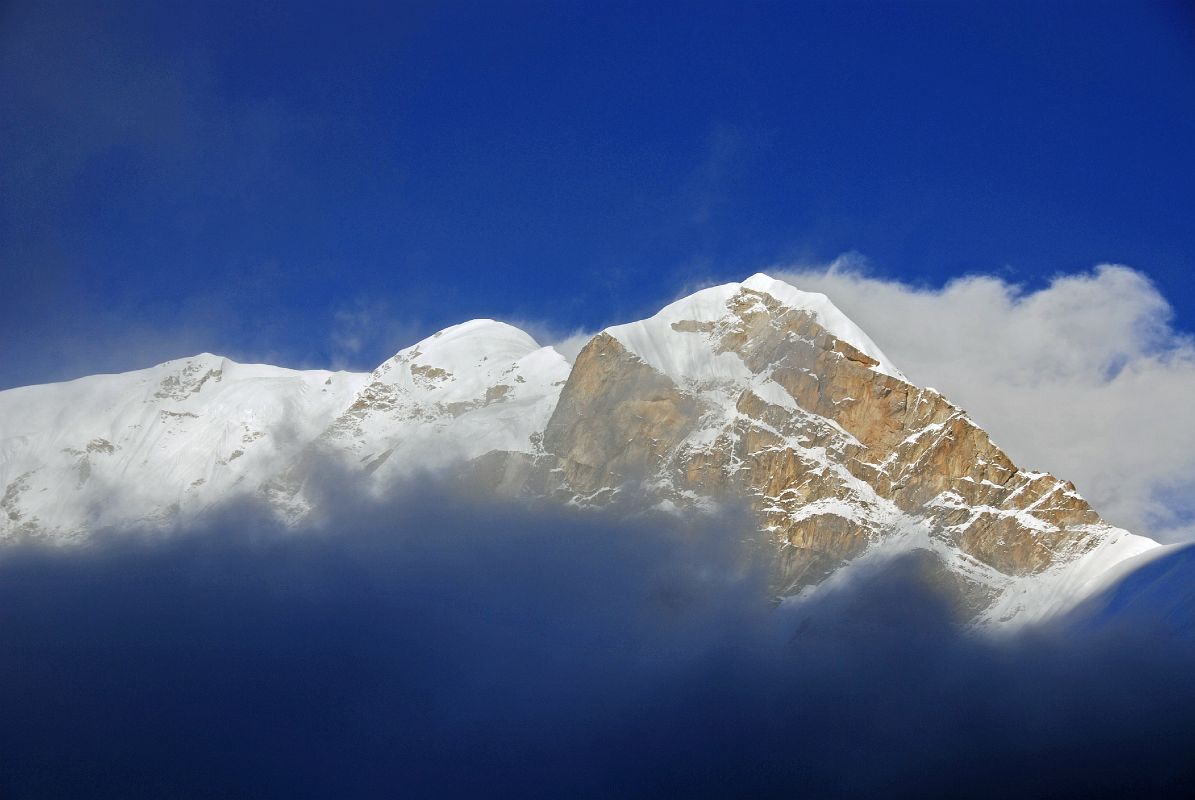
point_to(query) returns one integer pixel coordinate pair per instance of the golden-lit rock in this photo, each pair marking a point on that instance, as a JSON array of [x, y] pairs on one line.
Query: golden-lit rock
[[856, 454]]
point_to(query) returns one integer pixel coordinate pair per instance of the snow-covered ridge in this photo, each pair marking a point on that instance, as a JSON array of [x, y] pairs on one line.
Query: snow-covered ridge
[[804, 431], [458, 394], [147, 446], [684, 356], [460, 361], [466, 346], [153, 443]]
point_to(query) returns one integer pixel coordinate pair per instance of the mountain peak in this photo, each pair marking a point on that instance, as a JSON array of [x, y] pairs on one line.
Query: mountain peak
[[467, 346], [667, 342], [827, 315]]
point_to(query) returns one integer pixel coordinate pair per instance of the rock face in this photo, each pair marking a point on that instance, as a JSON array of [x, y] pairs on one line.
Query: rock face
[[834, 450], [616, 418], [753, 392]]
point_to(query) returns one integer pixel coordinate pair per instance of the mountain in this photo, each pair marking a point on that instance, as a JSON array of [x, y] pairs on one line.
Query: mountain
[[755, 392]]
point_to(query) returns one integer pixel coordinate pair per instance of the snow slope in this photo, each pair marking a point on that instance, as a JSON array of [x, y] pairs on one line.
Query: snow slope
[[469, 389], [1153, 593], [146, 445]]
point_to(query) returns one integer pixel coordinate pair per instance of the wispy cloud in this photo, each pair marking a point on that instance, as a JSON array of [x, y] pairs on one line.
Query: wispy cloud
[[567, 342], [367, 331]]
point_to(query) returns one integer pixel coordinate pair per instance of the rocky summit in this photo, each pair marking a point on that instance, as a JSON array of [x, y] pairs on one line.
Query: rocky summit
[[752, 392]]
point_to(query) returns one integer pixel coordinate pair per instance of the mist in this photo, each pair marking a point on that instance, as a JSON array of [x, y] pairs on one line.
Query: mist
[[438, 645]]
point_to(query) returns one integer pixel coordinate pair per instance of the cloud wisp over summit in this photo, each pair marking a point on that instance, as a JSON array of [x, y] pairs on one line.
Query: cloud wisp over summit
[[437, 645]]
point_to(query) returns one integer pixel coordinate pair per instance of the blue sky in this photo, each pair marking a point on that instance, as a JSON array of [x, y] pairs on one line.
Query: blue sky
[[313, 185]]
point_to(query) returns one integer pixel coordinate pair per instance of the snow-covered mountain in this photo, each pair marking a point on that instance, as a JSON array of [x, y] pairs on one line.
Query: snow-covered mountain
[[752, 391]]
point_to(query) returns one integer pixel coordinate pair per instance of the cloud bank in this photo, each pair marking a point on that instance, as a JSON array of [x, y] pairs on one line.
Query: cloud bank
[[1085, 377], [436, 646]]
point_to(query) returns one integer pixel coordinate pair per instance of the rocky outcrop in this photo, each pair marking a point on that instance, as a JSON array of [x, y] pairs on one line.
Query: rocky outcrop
[[617, 418], [833, 455]]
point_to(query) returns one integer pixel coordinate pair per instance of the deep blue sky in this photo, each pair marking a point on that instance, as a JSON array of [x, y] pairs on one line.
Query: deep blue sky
[[270, 183]]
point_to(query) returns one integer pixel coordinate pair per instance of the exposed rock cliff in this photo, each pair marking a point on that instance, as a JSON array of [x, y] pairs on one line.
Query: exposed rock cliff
[[835, 451]]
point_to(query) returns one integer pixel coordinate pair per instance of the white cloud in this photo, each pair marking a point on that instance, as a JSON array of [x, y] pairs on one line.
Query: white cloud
[[1085, 378], [570, 346], [567, 342], [366, 331], [351, 326]]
